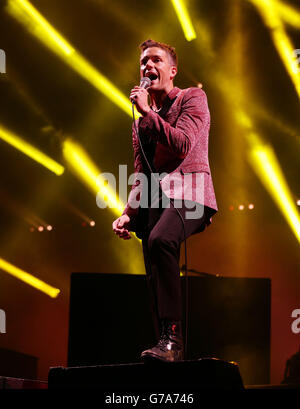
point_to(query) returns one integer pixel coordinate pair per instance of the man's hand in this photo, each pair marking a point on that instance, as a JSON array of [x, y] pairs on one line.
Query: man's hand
[[121, 227], [140, 96]]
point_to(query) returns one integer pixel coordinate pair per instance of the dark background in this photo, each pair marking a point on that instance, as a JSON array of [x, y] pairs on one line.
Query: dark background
[[42, 97]]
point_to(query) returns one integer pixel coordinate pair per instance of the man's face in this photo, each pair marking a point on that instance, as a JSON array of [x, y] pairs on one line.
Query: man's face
[[155, 63]]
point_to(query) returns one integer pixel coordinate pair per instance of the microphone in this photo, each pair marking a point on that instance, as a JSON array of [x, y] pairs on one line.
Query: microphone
[[145, 83]]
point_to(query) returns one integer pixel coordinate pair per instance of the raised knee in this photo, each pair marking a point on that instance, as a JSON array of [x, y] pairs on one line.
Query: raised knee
[[156, 242]]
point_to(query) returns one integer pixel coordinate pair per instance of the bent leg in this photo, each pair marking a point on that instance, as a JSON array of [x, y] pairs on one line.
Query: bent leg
[[164, 253]]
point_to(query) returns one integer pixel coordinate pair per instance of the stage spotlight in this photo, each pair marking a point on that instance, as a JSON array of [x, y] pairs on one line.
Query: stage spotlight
[[184, 19], [49, 228], [30, 151], [92, 223], [26, 14], [75, 210], [28, 278], [40, 228], [251, 206], [241, 207], [298, 202]]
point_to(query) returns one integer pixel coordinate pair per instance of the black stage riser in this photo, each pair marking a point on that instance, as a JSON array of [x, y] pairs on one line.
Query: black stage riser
[[229, 318], [17, 365], [172, 376], [18, 383]]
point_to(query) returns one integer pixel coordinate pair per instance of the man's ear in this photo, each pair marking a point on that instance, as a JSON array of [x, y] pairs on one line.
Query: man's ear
[[173, 72]]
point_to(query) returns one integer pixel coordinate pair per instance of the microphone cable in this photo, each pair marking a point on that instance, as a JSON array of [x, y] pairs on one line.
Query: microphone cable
[[184, 232]]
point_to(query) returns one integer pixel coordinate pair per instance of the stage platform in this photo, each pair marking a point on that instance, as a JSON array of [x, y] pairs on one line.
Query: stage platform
[[178, 376], [81, 378], [7, 382]]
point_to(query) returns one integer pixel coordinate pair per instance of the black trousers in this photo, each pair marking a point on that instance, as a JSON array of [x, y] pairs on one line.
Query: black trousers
[[161, 241]]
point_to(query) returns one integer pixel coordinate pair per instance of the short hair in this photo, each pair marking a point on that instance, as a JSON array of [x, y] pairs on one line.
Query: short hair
[[169, 50]]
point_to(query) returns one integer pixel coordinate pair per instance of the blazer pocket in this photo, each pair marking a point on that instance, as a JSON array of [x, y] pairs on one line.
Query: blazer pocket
[[194, 168]]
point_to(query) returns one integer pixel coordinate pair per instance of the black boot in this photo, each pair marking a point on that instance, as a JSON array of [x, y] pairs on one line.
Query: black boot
[[170, 345]]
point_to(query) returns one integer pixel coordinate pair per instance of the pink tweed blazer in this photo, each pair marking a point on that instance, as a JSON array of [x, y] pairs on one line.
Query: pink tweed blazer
[[181, 153]]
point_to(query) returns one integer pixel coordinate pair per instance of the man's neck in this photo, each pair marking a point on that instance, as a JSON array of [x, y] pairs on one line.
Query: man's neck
[[157, 98]]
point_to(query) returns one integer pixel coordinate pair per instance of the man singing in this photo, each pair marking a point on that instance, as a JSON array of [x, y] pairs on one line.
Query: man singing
[[173, 132]]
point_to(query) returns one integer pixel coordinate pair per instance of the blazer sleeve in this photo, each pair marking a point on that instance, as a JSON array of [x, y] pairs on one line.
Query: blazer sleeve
[[191, 124]]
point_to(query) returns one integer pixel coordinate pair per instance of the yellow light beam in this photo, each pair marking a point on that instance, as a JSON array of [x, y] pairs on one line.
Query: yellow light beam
[[38, 25], [283, 44], [88, 172], [288, 13], [184, 19], [30, 151], [28, 279], [28, 15], [265, 164]]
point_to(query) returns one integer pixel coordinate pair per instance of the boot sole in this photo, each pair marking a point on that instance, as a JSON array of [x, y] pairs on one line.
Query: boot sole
[[149, 358]]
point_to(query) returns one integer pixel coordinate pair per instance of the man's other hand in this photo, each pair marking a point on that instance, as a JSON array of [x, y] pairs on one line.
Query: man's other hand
[[121, 227]]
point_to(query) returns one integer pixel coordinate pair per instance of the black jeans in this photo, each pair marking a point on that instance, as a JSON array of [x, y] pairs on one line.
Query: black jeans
[[161, 240]]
